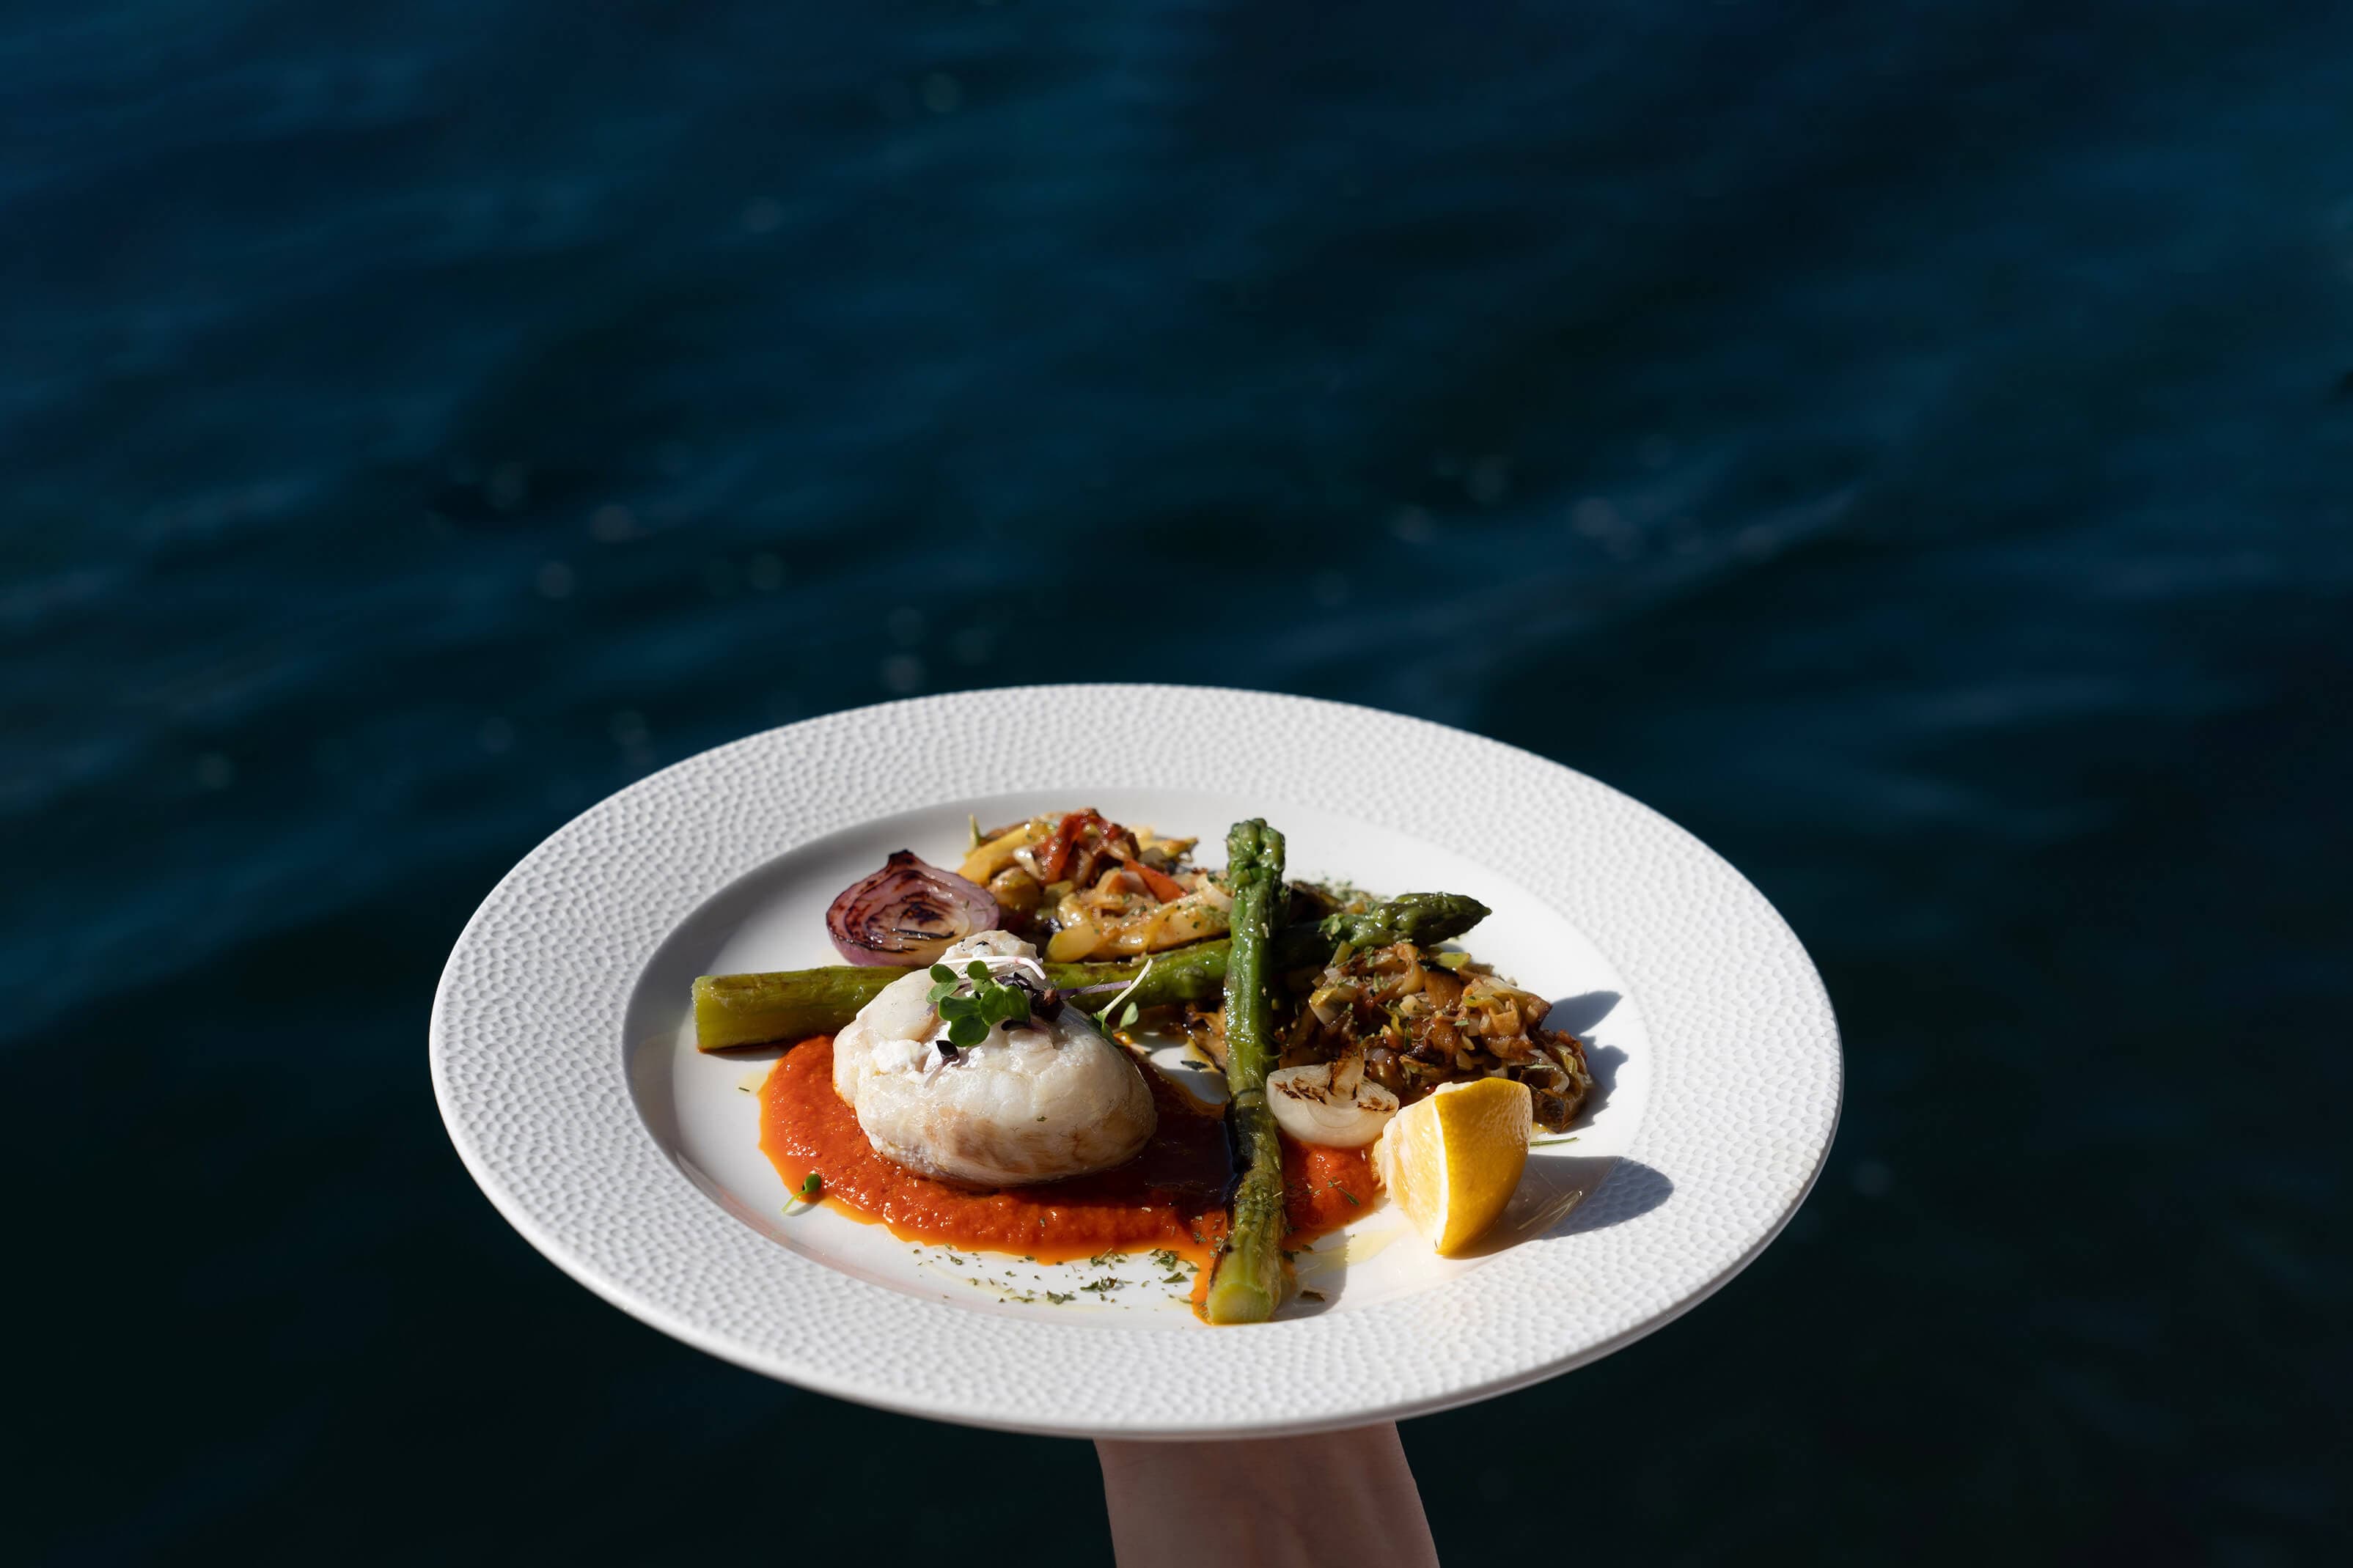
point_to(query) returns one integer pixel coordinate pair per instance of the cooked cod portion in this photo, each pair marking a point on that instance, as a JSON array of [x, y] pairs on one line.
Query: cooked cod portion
[[1033, 1101]]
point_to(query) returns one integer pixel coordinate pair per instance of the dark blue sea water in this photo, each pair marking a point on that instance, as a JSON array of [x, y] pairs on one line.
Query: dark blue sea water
[[1911, 444]]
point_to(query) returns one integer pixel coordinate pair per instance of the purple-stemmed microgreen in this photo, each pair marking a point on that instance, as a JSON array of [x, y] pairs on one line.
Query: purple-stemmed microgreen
[[975, 1002]]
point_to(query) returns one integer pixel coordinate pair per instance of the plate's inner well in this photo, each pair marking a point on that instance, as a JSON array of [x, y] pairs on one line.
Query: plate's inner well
[[704, 1110]]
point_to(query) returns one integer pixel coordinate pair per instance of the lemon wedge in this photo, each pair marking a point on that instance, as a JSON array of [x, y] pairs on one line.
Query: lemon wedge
[[1451, 1160]]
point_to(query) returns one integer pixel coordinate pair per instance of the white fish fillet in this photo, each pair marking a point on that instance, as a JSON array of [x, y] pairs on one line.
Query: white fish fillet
[[1048, 1100]]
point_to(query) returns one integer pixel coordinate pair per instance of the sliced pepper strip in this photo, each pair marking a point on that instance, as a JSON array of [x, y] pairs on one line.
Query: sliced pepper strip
[[1163, 886], [1055, 859]]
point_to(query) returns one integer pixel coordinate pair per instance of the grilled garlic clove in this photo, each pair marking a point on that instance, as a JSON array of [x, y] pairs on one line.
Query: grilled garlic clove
[[1312, 1108]]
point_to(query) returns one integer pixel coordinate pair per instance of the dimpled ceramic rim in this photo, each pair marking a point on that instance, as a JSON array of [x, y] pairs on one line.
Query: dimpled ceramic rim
[[1744, 1100]]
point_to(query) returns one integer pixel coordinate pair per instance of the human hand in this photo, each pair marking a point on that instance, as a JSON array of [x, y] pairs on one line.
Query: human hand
[[1332, 1497]]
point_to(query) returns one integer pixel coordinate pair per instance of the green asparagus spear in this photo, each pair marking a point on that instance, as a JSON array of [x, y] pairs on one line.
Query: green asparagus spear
[[790, 1005], [793, 1005], [1246, 1283], [1420, 918]]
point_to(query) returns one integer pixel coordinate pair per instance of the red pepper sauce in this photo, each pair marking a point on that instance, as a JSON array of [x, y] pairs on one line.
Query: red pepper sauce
[[1172, 1196]]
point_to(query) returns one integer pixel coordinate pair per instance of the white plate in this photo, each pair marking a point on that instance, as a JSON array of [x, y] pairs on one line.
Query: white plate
[[564, 1065]]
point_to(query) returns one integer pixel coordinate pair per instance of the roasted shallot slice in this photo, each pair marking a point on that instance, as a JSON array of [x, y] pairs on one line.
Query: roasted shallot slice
[[1331, 1103], [907, 913]]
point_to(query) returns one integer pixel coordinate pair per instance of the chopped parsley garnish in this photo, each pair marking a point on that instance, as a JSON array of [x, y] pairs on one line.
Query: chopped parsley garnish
[[1059, 1298]]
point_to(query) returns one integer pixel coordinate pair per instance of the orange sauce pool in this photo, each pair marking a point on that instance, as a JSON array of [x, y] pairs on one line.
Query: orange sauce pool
[[1172, 1196]]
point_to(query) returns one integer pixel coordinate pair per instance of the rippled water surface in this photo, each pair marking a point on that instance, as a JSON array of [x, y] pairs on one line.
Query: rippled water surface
[[1911, 445]]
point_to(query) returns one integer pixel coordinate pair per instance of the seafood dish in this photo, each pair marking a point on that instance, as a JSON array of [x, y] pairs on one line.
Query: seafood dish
[[979, 1070]]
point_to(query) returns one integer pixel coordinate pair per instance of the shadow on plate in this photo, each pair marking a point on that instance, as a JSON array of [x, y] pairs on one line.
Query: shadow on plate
[[1579, 1015], [1567, 1196], [1318, 1293], [1602, 1062], [1580, 1012], [767, 1052]]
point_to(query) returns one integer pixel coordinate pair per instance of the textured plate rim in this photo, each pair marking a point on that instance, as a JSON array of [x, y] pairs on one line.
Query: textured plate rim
[[530, 1074]]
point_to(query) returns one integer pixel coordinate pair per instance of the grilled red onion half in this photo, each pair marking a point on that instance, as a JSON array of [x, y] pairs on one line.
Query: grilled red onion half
[[907, 913]]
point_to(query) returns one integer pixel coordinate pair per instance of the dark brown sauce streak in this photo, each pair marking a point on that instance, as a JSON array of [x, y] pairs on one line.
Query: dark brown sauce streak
[[1189, 1151]]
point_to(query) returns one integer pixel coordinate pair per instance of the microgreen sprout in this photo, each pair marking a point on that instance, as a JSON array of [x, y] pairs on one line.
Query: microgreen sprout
[[805, 1196], [971, 1003], [1105, 1019]]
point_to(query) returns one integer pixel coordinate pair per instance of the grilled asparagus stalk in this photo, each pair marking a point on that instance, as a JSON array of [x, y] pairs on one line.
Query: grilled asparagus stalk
[[794, 1003], [1246, 1283]]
